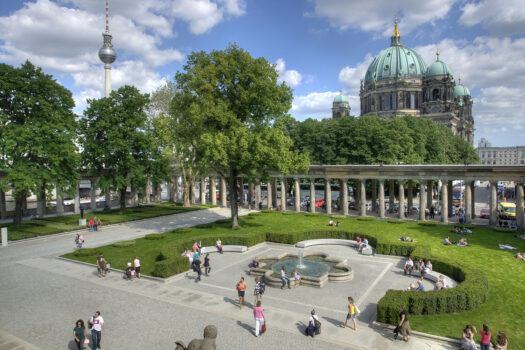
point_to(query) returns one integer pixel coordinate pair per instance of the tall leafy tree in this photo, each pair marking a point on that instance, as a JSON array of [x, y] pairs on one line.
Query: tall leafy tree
[[234, 112], [118, 143], [37, 133]]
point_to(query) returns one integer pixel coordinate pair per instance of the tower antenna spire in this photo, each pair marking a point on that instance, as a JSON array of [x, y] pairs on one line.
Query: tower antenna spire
[[107, 16]]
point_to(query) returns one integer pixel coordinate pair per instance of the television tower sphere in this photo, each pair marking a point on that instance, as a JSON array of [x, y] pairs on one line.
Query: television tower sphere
[[106, 53]]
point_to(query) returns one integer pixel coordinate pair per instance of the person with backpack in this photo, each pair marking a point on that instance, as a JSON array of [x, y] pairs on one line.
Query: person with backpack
[[96, 323], [314, 325]]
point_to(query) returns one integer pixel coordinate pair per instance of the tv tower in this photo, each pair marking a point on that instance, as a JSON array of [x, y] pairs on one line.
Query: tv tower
[[106, 53]]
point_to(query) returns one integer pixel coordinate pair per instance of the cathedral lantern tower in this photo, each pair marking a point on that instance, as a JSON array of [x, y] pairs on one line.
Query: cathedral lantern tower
[[340, 106]]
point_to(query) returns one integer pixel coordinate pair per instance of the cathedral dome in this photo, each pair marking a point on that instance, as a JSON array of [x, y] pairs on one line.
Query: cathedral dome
[[396, 62], [437, 68], [341, 98], [461, 90]]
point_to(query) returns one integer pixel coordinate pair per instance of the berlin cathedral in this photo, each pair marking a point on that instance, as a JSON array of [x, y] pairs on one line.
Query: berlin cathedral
[[398, 83]]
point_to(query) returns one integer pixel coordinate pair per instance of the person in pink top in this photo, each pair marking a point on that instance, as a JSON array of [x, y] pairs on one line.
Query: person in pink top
[[260, 320], [136, 264], [485, 338]]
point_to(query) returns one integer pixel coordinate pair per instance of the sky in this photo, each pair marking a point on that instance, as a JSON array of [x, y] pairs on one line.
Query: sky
[[319, 47]]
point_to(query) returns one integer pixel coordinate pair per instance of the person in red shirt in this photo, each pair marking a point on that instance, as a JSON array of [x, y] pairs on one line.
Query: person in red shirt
[[485, 338]]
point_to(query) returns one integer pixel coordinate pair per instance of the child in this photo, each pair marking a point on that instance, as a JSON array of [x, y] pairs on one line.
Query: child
[[296, 277], [132, 273], [207, 267], [352, 310], [128, 271]]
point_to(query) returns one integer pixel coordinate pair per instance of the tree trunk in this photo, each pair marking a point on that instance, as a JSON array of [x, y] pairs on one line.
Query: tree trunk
[[185, 193], [233, 200], [123, 198], [19, 203]]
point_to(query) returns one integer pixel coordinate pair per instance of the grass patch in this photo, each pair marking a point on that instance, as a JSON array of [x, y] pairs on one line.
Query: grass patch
[[51, 225], [365, 218], [504, 273], [124, 244], [427, 223], [395, 221]]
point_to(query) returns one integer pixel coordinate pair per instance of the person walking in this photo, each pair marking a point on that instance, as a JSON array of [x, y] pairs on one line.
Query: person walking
[[99, 224], [136, 263], [404, 325], [260, 320], [80, 240], [97, 329], [258, 291], [314, 325], [207, 266], [79, 334], [352, 311], [91, 223], [241, 288], [95, 223], [485, 337], [101, 268]]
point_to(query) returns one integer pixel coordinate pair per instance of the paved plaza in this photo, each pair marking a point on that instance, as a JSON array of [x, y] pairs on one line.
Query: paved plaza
[[41, 297]]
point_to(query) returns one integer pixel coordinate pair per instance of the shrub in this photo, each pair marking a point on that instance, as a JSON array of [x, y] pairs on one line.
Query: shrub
[[182, 230], [501, 229], [337, 217], [312, 214], [427, 223], [160, 257], [394, 221], [155, 236], [124, 244], [208, 225], [255, 213], [86, 252], [224, 221], [267, 211], [365, 218], [289, 213], [171, 266]]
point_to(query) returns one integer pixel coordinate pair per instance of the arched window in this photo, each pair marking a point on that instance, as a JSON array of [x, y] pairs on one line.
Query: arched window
[[412, 100], [435, 95], [394, 100]]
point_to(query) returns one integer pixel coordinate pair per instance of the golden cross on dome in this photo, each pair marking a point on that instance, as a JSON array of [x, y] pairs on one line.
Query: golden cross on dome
[[396, 31], [437, 55]]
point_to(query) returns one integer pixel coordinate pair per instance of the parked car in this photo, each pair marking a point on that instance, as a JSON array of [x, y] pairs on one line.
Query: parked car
[[484, 213], [507, 210], [319, 202]]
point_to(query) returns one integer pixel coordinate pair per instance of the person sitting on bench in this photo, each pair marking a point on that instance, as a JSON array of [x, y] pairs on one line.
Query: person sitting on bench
[[409, 266]]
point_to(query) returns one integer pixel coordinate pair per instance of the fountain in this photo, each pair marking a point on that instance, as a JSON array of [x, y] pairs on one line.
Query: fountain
[[300, 265]]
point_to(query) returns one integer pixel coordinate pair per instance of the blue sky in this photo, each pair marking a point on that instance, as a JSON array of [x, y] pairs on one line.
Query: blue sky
[[318, 46]]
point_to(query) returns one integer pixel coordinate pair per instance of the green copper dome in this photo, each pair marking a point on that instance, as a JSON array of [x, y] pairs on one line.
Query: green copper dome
[[461, 90], [437, 68], [341, 98], [396, 62]]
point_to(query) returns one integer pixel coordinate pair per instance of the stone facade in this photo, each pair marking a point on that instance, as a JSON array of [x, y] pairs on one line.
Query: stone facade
[[502, 155]]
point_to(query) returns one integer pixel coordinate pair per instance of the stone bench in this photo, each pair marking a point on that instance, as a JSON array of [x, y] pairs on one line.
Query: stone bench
[[368, 250], [433, 276], [225, 248]]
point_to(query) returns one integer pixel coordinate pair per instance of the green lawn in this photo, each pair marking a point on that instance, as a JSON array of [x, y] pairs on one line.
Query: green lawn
[[47, 226], [504, 272]]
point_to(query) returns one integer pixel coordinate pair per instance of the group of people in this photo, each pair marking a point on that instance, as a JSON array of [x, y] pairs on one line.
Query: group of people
[[133, 270], [468, 342], [332, 223], [194, 258], [420, 266], [361, 243], [96, 324], [462, 242], [95, 224], [286, 280], [462, 230]]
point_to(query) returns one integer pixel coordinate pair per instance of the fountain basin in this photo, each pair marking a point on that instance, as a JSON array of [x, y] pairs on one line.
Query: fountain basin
[[320, 269]]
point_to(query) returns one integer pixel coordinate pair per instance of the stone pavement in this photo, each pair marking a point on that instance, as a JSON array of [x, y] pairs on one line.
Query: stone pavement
[[42, 296]]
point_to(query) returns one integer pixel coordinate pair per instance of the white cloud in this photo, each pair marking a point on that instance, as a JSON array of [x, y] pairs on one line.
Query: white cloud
[[319, 104], [502, 17], [234, 7], [291, 77], [376, 16]]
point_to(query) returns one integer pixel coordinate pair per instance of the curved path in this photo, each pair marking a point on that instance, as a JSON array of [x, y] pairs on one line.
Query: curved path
[[41, 297]]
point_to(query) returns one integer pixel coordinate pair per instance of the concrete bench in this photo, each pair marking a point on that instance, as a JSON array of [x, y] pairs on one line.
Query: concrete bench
[[433, 276], [225, 248], [368, 250]]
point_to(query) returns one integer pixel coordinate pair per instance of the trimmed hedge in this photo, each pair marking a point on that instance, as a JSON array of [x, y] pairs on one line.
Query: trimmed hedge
[[255, 213], [124, 244], [395, 221], [337, 217], [155, 236], [501, 229], [365, 218], [182, 230], [470, 293], [427, 223], [171, 266], [312, 214], [86, 252], [267, 211]]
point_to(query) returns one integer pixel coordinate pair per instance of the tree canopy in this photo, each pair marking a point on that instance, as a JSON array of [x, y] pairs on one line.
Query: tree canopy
[[233, 113], [372, 140], [37, 133], [117, 142]]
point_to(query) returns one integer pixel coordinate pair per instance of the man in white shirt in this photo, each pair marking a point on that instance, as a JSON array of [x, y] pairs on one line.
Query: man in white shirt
[[97, 324], [409, 266]]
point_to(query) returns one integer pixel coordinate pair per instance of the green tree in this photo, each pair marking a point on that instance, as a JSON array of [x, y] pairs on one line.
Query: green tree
[[37, 133], [118, 143], [235, 113]]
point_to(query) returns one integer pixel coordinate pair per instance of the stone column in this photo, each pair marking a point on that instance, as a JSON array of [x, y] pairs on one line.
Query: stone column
[[343, 189], [273, 183], [422, 200], [213, 191], [362, 195], [59, 201], [3, 213], [328, 195], [401, 199], [493, 221], [473, 201], [374, 195], [297, 186], [410, 196], [283, 194], [258, 205], [444, 203], [312, 195], [77, 200], [468, 202], [450, 198], [519, 206], [381, 198], [391, 196], [269, 194], [223, 193], [430, 190], [250, 196], [203, 190]]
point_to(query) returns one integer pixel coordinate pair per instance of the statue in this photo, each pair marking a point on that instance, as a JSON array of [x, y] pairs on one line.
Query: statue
[[208, 343]]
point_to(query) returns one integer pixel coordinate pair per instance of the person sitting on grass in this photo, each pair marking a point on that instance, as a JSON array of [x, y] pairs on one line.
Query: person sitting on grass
[[331, 223], [520, 256], [409, 266], [337, 224], [447, 241], [457, 230], [462, 242], [363, 244]]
